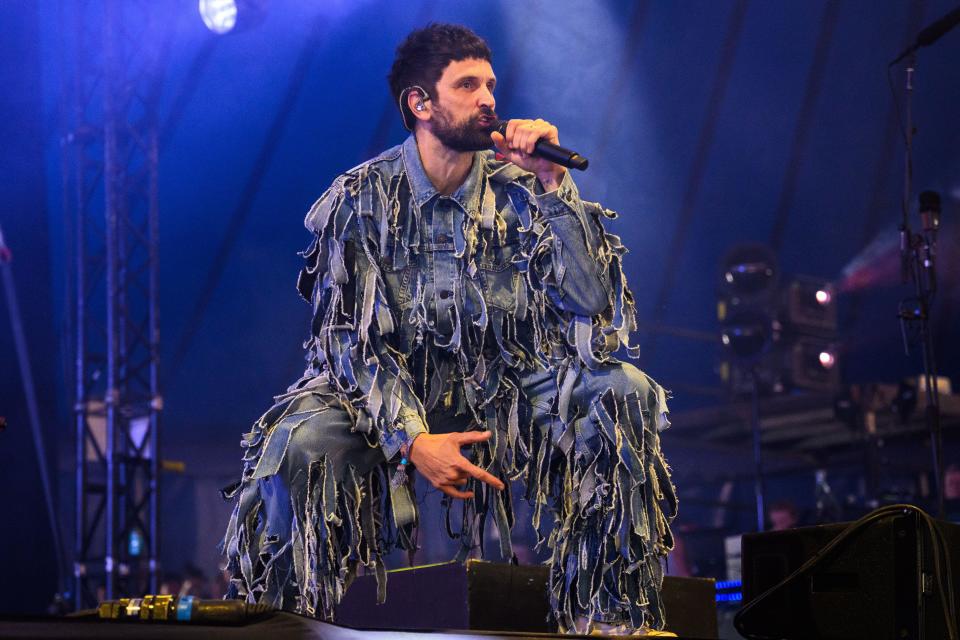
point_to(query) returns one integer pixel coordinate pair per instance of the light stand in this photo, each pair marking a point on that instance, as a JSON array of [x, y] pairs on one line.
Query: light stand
[[917, 259]]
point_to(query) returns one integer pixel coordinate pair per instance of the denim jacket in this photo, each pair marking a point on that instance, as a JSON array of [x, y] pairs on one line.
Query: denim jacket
[[412, 290]]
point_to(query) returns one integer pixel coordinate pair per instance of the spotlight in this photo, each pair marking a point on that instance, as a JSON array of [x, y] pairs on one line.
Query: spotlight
[[812, 364], [231, 16], [827, 360], [747, 334], [812, 306], [746, 308], [750, 271], [220, 16], [750, 277]]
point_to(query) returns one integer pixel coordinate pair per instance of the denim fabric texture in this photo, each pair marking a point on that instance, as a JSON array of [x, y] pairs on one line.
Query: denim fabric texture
[[501, 306]]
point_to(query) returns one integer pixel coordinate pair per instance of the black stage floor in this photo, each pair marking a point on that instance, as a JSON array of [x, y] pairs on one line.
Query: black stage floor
[[276, 626]]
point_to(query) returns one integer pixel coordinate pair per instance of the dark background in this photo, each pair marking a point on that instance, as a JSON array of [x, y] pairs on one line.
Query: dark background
[[707, 124]]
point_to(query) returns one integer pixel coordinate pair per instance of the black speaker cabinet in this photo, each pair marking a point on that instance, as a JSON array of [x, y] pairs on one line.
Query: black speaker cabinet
[[878, 584], [489, 596]]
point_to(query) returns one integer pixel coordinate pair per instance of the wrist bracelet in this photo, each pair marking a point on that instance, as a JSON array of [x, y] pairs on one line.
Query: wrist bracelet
[[400, 475]]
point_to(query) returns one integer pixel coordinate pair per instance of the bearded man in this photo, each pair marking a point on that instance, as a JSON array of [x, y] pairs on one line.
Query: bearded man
[[463, 301]]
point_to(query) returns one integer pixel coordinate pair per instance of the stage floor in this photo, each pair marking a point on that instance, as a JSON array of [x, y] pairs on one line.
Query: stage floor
[[276, 626]]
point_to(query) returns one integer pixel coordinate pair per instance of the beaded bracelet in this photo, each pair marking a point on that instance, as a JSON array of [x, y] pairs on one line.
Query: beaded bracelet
[[400, 476]]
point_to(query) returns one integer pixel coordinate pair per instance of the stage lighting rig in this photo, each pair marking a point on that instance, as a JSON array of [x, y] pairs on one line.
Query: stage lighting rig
[[809, 319], [231, 16], [747, 312], [777, 338]]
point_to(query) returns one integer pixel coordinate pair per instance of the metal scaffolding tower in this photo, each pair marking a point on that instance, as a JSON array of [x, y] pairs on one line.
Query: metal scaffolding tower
[[111, 204]]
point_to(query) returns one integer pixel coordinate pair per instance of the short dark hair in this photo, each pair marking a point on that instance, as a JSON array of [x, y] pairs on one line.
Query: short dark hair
[[785, 505], [424, 54]]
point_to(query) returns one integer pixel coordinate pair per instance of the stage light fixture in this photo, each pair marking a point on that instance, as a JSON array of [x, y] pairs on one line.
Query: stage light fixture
[[750, 277], [812, 364], [220, 16], [231, 16], [746, 340], [812, 306], [827, 360], [746, 310]]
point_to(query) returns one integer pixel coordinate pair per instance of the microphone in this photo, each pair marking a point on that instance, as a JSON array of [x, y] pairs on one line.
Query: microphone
[[932, 33], [930, 210], [549, 151]]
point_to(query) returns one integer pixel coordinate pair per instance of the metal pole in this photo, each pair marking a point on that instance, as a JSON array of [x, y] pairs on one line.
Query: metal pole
[[917, 258], [111, 205], [156, 400], [908, 152], [758, 484], [79, 320]]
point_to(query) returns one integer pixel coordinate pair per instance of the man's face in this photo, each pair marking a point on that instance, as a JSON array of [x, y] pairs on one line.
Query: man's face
[[782, 519], [462, 111]]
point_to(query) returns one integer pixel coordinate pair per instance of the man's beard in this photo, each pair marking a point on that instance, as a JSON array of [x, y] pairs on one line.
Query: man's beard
[[464, 136]]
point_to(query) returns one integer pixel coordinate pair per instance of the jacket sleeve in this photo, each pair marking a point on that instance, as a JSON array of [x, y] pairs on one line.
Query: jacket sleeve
[[580, 266], [578, 253], [350, 333]]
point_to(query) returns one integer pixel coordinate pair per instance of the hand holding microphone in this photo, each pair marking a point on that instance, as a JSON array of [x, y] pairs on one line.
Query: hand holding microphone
[[533, 145]]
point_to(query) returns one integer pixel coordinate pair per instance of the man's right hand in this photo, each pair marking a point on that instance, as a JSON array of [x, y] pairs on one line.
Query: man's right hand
[[438, 458]]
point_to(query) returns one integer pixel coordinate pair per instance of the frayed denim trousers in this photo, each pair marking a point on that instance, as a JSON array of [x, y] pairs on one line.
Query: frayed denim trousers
[[586, 448]]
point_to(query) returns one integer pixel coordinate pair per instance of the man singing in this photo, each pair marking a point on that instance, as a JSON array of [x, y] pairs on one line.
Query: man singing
[[466, 309]]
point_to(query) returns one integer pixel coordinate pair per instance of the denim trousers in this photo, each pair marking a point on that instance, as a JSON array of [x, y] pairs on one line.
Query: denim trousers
[[316, 505]]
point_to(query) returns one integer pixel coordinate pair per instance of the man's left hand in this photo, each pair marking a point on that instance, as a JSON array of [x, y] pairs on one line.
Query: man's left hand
[[517, 147]]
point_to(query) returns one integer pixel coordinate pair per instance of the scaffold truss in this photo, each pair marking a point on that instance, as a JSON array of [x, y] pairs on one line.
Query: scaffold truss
[[110, 181]]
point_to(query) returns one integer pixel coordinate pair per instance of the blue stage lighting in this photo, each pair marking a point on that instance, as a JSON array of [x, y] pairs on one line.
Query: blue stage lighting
[[729, 597], [135, 545], [220, 16]]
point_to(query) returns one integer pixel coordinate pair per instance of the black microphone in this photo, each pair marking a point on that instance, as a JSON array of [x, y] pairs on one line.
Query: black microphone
[[549, 151], [932, 33]]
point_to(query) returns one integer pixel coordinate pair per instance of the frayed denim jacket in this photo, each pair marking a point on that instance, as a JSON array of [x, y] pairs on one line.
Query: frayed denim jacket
[[413, 290]]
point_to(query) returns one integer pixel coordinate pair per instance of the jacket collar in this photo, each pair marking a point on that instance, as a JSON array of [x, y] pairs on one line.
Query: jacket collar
[[467, 195]]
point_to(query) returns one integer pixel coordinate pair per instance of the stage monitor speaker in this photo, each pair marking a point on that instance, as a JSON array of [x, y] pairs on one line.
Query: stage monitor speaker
[[493, 596], [880, 583]]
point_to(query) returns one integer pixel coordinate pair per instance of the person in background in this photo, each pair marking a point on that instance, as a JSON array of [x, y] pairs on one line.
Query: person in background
[[783, 515]]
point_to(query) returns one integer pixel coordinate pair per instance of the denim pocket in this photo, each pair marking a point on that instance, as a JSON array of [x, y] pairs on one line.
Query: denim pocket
[[495, 256], [500, 276], [399, 283]]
